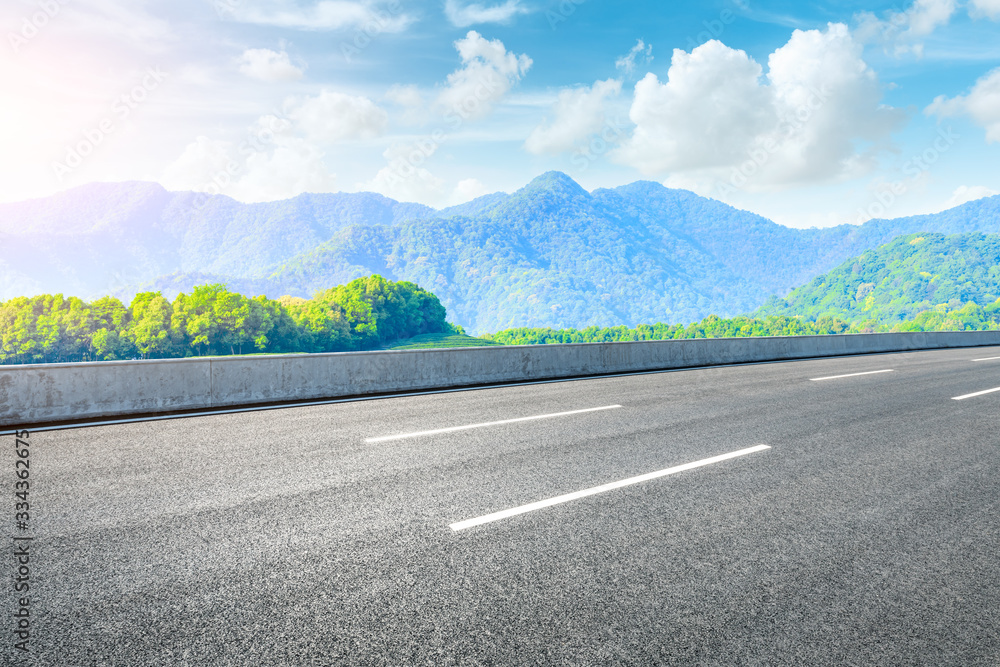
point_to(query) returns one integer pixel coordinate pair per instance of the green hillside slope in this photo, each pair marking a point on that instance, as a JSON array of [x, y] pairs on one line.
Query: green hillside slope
[[901, 279]]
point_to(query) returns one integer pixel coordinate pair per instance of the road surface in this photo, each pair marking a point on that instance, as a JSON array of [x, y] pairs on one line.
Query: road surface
[[832, 514]]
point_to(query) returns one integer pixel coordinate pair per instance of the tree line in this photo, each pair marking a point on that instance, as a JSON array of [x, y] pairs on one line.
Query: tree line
[[363, 314], [367, 313], [953, 316], [710, 327]]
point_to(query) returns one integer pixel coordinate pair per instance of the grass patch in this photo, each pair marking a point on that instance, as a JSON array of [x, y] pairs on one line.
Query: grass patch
[[437, 340]]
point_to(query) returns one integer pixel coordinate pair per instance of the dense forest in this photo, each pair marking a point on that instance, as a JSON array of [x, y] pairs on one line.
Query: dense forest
[[898, 281], [363, 314], [710, 327]]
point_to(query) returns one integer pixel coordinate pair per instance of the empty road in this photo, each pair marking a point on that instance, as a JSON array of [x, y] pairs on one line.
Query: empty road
[[836, 511]]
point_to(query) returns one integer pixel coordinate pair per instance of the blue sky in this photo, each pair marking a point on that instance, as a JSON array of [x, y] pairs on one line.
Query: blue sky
[[808, 113]]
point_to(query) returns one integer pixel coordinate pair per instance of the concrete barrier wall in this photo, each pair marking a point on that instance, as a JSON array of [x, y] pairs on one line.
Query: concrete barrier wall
[[42, 393]]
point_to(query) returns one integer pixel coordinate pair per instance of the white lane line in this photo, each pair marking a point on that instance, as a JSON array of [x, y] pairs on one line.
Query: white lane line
[[987, 359], [850, 375], [531, 507], [978, 393], [450, 429]]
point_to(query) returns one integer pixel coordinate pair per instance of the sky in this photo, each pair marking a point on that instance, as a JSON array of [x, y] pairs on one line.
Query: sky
[[811, 114]]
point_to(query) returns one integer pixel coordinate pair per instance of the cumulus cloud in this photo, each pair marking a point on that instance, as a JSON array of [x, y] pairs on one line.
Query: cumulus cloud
[[467, 190], [489, 71], [406, 178], [987, 8], [816, 116], [902, 31], [579, 113], [279, 157], [332, 116], [281, 167], [982, 104], [965, 193], [709, 110], [409, 103], [198, 165], [641, 54], [323, 15], [404, 96], [462, 15], [267, 65]]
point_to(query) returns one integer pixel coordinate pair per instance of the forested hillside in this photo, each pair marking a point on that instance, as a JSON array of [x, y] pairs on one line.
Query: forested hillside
[[553, 255], [549, 255], [367, 313], [364, 314], [901, 279]]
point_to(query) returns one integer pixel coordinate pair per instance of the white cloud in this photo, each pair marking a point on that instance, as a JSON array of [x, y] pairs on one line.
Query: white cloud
[[421, 187], [903, 30], [285, 166], [467, 190], [267, 65], [817, 116], [115, 21], [197, 166], [579, 113], [965, 193], [404, 96], [988, 8], [292, 167], [627, 63], [332, 116], [706, 114], [463, 15], [322, 15], [410, 105], [279, 157], [404, 179], [982, 104], [489, 72]]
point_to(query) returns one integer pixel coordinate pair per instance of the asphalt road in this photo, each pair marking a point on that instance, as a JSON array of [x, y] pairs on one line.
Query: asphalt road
[[868, 533]]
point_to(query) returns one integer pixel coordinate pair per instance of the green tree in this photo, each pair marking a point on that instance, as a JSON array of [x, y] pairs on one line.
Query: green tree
[[109, 317], [149, 325], [18, 342]]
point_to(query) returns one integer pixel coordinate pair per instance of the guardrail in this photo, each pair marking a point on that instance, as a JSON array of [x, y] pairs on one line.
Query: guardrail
[[49, 393]]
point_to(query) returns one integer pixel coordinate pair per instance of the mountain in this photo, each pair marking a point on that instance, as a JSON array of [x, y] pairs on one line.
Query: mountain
[[550, 254], [900, 279], [106, 237]]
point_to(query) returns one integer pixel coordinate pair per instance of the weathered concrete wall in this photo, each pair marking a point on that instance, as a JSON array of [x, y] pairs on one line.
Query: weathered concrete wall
[[57, 392]]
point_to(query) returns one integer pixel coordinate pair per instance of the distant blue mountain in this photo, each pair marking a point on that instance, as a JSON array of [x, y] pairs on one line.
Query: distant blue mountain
[[550, 254]]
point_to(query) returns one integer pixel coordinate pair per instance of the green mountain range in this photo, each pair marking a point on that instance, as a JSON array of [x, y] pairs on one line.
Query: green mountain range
[[918, 282], [548, 255]]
